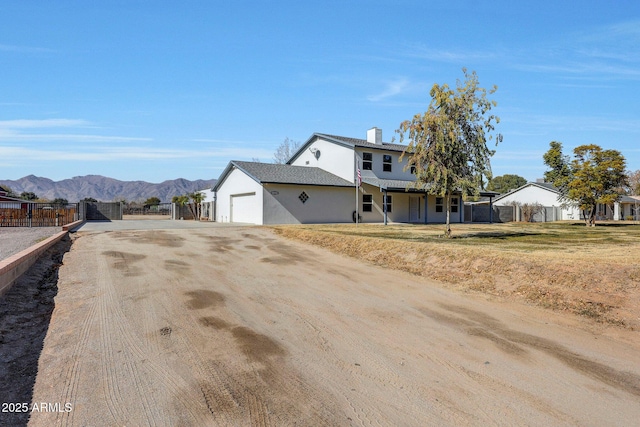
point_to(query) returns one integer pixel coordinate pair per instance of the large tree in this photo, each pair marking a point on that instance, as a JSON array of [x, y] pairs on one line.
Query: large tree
[[152, 201], [285, 151], [506, 183], [28, 195], [448, 143], [594, 176]]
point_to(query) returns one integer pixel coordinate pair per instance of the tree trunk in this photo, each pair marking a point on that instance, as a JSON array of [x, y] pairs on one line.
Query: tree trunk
[[447, 231], [591, 220]]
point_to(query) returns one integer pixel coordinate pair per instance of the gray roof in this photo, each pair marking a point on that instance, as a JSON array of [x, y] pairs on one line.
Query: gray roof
[[271, 173], [629, 199], [407, 185], [364, 143], [544, 185]]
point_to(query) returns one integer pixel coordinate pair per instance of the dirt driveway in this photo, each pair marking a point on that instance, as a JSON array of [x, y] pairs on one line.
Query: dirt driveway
[[236, 326]]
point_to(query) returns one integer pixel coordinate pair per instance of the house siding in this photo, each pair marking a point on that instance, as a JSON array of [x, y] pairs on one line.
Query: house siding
[[397, 167], [334, 158], [282, 204], [535, 194]]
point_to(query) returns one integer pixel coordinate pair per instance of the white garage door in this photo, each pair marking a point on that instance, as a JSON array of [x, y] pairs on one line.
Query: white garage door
[[244, 208]]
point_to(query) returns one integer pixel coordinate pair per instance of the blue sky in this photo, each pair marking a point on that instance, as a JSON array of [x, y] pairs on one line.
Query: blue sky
[[155, 90]]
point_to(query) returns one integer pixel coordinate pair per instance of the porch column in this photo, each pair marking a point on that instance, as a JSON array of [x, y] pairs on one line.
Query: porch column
[[426, 206], [616, 211], [490, 210], [384, 205]]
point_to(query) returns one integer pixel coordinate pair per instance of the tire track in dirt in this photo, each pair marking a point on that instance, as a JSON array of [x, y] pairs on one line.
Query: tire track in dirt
[[72, 376], [153, 367], [225, 395], [513, 342], [246, 379]]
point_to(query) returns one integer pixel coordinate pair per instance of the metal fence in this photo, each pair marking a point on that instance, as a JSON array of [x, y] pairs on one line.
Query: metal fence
[[101, 211], [26, 214], [482, 213], [159, 209]]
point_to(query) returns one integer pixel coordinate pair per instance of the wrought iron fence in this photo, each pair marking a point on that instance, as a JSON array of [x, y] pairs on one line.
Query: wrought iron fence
[[26, 214], [160, 209]]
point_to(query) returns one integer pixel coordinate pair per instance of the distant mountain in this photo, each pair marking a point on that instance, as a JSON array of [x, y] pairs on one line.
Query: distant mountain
[[105, 189]]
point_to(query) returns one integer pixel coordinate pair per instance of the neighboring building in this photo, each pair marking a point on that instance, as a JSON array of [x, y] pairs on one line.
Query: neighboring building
[[628, 207], [542, 193], [547, 195], [318, 185], [12, 202]]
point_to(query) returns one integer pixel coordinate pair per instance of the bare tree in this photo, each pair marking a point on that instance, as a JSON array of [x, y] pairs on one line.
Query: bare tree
[[285, 151], [529, 210]]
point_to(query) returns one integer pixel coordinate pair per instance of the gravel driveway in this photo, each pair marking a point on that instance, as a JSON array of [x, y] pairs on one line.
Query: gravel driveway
[[16, 239]]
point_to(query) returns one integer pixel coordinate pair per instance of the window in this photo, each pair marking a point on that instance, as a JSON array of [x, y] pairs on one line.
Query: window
[[386, 163], [367, 161], [413, 170], [387, 204], [439, 204], [454, 205], [303, 197], [367, 203]]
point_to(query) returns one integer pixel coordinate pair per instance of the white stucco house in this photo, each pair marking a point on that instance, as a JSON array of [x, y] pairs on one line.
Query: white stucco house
[[319, 185], [543, 193], [547, 195]]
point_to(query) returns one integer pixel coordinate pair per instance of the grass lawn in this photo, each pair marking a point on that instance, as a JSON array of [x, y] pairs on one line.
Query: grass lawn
[[592, 272]]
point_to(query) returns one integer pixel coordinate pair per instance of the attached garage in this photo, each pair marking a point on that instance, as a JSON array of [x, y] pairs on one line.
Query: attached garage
[[243, 208], [266, 193]]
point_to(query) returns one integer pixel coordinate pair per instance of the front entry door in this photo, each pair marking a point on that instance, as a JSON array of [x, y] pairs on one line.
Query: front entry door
[[414, 209]]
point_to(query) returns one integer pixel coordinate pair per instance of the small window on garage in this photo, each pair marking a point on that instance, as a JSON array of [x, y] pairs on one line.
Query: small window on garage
[[303, 197], [367, 203], [367, 161], [386, 163], [439, 204]]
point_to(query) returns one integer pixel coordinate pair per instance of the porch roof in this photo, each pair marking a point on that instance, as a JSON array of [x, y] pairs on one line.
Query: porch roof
[[402, 186]]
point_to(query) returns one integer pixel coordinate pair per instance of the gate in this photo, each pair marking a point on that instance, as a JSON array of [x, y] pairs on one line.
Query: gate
[[26, 214], [102, 211], [159, 209]]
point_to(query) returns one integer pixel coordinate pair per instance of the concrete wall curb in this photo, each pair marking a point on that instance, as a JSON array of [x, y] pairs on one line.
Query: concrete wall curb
[[13, 267], [73, 225]]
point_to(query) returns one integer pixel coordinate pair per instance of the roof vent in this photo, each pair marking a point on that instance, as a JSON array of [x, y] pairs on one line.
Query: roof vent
[[374, 136]]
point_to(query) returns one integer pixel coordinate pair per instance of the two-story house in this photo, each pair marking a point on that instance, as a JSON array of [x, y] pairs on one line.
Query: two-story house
[[321, 184]]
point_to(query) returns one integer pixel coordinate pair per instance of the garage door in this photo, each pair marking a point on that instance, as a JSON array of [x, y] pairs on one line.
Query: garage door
[[244, 208]]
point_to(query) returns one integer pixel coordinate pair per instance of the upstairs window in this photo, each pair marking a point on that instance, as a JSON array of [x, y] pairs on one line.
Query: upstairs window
[[367, 161], [386, 163]]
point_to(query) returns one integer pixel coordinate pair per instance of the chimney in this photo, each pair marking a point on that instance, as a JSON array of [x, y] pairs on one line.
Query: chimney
[[374, 136]]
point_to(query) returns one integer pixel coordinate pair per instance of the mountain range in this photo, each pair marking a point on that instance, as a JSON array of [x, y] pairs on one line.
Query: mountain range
[[104, 189]]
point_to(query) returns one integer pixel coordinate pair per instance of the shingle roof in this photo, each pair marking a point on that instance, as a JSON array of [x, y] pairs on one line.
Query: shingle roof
[[363, 143], [629, 199], [544, 185], [288, 174]]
